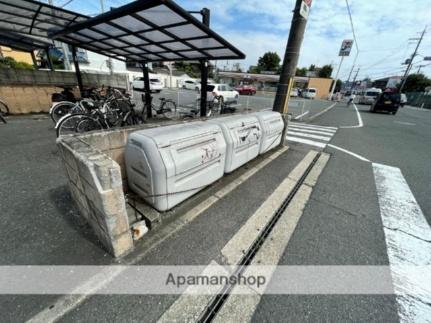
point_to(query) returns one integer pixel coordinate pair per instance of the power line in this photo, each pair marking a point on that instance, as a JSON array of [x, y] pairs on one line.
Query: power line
[[66, 3], [351, 24], [354, 37]]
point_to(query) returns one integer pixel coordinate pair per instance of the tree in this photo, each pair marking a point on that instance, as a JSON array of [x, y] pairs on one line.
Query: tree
[[191, 69], [254, 69], [9, 62], [270, 61], [312, 68], [301, 71], [416, 83], [325, 71], [338, 86]]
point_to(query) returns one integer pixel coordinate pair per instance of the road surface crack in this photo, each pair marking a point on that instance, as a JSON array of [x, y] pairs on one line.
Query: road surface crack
[[409, 234]]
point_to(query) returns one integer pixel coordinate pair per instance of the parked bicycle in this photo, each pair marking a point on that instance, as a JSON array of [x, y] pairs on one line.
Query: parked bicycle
[[65, 103], [167, 108], [4, 111], [214, 105], [116, 111]]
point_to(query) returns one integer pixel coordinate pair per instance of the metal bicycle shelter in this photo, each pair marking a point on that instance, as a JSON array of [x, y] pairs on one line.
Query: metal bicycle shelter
[[143, 31]]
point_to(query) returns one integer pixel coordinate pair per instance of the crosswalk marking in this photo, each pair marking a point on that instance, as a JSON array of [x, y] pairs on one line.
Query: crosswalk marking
[[304, 125], [306, 141], [312, 135], [408, 240], [301, 134], [312, 129]]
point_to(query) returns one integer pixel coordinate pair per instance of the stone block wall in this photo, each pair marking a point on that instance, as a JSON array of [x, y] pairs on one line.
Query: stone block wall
[[95, 167], [96, 185]]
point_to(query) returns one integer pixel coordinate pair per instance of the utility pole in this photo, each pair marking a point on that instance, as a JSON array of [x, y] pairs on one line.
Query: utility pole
[[291, 56], [411, 61], [419, 68], [354, 79]]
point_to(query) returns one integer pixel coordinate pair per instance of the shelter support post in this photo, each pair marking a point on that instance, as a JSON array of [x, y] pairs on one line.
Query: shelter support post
[[147, 90], [77, 70], [49, 60], [33, 58], [204, 83], [205, 12]]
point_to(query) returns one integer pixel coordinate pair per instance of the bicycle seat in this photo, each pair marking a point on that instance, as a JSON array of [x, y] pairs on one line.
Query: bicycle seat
[[162, 99]]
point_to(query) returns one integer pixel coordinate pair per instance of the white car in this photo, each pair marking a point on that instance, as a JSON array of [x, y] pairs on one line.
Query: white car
[[155, 84], [309, 93], [225, 92], [191, 85], [294, 93], [369, 96]]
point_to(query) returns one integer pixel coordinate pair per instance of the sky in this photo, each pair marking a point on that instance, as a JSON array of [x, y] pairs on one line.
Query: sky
[[383, 29]]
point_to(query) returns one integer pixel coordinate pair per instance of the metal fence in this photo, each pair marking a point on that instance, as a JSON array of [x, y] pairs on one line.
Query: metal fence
[[419, 99]]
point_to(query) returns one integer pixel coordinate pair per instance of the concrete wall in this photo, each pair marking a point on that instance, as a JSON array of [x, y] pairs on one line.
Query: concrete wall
[[10, 76], [27, 91], [27, 99]]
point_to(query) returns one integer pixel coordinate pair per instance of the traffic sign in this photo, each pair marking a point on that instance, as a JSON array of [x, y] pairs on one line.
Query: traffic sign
[[305, 9], [346, 47]]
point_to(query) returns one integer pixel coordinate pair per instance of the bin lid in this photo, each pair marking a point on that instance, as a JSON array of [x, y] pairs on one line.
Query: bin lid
[[236, 121], [268, 115], [168, 135]]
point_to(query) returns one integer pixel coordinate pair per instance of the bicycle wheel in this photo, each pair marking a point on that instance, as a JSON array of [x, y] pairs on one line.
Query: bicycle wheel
[[63, 108], [76, 123], [4, 109], [88, 124], [169, 110]]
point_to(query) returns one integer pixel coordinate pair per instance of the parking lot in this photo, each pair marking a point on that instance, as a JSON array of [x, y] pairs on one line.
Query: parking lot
[[300, 109]]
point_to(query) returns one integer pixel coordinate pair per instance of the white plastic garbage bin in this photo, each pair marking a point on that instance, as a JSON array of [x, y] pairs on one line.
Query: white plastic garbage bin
[[243, 135], [272, 129], [166, 165]]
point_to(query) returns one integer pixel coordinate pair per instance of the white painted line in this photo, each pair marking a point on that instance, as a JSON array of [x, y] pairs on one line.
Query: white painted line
[[301, 115], [306, 141], [307, 125], [306, 135], [405, 123], [360, 123], [325, 133], [194, 300], [235, 248], [349, 152], [408, 240], [416, 109], [322, 112], [242, 307]]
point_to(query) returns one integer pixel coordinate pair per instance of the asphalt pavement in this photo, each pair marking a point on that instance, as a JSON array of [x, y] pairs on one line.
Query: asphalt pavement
[[342, 223]]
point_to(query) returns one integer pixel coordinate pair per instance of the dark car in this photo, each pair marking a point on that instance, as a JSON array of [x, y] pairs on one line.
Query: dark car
[[246, 89], [387, 101]]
